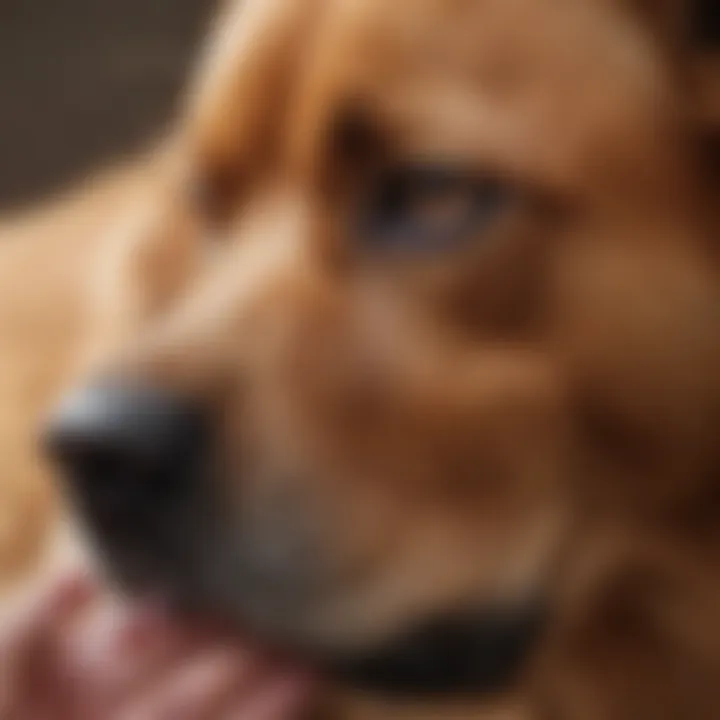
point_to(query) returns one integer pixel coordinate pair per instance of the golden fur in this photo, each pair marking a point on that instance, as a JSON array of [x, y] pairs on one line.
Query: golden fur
[[540, 408]]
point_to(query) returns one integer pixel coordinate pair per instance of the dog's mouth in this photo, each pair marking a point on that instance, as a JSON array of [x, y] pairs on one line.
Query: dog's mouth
[[478, 651], [474, 654]]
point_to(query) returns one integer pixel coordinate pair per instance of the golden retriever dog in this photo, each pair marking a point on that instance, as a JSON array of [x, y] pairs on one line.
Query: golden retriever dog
[[402, 352]]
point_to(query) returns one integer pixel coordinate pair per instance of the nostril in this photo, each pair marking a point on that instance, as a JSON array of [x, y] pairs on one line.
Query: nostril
[[113, 441], [88, 457]]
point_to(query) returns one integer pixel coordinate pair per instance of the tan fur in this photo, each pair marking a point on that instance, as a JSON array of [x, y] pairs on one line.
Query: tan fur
[[47, 258], [537, 409]]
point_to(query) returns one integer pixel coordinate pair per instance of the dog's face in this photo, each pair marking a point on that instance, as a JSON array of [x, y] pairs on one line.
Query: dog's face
[[430, 304]]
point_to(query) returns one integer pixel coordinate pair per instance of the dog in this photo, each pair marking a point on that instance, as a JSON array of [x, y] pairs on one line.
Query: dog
[[402, 351]]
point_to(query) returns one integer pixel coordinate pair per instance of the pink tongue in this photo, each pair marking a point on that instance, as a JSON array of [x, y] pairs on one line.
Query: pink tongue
[[282, 696], [268, 687], [277, 688]]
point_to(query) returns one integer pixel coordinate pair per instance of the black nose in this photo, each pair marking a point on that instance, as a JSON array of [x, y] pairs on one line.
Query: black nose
[[124, 448]]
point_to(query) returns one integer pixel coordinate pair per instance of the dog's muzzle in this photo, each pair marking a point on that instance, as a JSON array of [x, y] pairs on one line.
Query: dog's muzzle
[[135, 461]]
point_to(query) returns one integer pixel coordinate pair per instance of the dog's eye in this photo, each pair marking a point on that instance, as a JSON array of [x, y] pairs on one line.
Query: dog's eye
[[430, 208]]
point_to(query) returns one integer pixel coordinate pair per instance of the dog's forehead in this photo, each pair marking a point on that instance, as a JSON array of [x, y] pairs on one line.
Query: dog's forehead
[[453, 76]]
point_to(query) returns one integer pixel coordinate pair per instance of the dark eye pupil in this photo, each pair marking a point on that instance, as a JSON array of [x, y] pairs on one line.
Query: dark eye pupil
[[428, 208], [394, 198]]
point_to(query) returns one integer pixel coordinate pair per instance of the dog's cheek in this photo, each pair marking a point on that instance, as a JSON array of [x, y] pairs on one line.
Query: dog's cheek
[[635, 335]]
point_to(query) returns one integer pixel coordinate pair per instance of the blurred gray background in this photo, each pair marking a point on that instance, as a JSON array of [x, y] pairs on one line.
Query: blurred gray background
[[82, 81]]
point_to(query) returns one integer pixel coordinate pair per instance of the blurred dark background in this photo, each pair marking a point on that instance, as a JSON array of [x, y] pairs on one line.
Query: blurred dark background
[[83, 81]]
